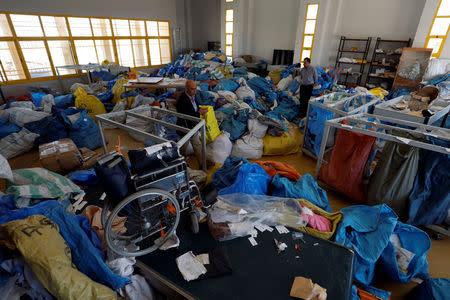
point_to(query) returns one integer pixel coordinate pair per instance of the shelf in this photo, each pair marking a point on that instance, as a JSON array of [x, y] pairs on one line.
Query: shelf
[[382, 77], [384, 53], [351, 63], [381, 65], [352, 51], [394, 41], [350, 39]]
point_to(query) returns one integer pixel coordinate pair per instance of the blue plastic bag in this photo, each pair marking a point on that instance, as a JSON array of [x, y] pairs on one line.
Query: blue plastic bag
[[287, 107], [316, 126], [84, 254], [264, 88], [204, 98], [226, 85], [431, 289], [235, 122], [225, 176], [204, 86], [103, 75], [254, 104], [7, 128], [105, 97], [84, 177], [86, 226], [367, 230], [64, 101], [252, 179], [202, 77], [305, 188], [84, 131], [414, 240]]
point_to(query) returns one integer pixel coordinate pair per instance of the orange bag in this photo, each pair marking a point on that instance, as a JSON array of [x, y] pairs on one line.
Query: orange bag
[[274, 167], [345, 169]]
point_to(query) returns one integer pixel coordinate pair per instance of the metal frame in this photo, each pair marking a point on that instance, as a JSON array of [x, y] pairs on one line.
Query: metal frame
[[199, 127], [363, 119], [337, 113]]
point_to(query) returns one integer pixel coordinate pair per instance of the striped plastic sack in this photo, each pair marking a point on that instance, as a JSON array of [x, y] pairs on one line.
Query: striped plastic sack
[[17, 143]]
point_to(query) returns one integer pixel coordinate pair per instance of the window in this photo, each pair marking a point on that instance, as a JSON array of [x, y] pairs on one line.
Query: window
[[439, 28], [312, 10], [32, 45], [229, 17]]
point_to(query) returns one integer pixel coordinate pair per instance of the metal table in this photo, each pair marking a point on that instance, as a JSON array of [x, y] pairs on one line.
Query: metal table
[[199, 127]]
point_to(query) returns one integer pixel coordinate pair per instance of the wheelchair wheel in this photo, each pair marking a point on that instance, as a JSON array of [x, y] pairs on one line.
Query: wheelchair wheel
[[150, 217]]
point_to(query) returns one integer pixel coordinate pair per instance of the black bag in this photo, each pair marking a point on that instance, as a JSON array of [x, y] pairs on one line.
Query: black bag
[[154, 157], [113, 172]]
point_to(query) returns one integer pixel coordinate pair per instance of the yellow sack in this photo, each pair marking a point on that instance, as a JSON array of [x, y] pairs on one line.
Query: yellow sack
[[275, 75], [209, 56], [91, 103], [334, 219], [45, 251], [118, 89], [225, 71], [280, 145], [212, 128], [379, 92]]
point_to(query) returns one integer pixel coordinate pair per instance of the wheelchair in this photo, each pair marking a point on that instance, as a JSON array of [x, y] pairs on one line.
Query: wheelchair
[[150, 207]]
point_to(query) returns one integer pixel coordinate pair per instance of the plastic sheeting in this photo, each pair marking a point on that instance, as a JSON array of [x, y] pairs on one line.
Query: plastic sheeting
[[218, 151], [84, 254], [418, 243], [346, 165], [367, 229], [305, 188], [251, 179]]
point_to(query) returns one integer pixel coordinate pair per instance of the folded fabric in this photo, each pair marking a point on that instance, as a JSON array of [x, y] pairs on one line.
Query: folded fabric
[[84, 254]]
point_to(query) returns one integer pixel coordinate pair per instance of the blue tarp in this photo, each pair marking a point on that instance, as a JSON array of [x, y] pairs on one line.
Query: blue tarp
[[316, 125], [84, 254], [431, 289], [225, 176], [7, 128], [430, 199], [366, 229], [252, 179], [84, 131], [305, 188], [414, 240], [235, 122]]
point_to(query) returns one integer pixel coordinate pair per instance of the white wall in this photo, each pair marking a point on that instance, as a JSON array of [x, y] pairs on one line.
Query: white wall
[[424, 26], [205, 20], [388, 19], [172, 10]]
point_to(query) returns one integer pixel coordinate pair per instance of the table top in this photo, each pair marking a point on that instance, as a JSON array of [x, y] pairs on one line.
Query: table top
[[259, 272], [165, 83]]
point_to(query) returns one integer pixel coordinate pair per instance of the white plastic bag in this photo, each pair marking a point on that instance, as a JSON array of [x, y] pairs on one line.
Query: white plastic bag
[[47, 102], [251, 145], [285, 83], [229, 96], [17, 143], [245, 91], [218, 151]]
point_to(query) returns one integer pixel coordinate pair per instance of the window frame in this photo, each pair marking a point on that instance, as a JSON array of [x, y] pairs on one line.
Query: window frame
[[313, 35], [443, 37], [15, 39], [232, 34]]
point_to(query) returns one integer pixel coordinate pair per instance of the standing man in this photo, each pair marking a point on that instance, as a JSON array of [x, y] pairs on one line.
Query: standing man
[[308, 74], [187, 104]]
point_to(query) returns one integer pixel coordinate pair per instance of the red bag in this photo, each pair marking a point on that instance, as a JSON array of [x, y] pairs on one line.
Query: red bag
[[274, 167], [345, 169]]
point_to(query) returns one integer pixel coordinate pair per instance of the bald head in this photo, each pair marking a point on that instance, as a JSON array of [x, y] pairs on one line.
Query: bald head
[[190, 88]]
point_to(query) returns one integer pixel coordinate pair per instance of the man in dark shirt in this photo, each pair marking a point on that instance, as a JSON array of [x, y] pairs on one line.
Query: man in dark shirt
[[187, 104]]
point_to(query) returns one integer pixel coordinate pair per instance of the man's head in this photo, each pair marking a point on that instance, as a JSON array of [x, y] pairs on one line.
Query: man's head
[[306, 62], [190, 88]]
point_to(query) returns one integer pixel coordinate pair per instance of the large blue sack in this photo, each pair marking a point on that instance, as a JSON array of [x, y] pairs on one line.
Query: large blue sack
[[382, 294], [204, 98], [413, 240], [103, 75], [7, 128], [202, 77], [305, 188], [252, 179], [226, 175], [64, 101], [367, 230], [37, 98], [316, 126], [287, 107], [226, 85], [235, 122], [84, 131], [429, 200], [264, 88], [105, 97], [294, 87], [431, 289], [84, 254], [50, 129]]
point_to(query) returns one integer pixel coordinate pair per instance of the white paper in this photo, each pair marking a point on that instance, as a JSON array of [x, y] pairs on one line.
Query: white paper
[[260, 227], [189, 267], [252, 241], [281, 229], [268, 228]]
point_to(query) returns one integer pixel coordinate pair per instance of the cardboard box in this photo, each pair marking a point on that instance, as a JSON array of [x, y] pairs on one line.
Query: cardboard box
[[60, 156], [89, 158]]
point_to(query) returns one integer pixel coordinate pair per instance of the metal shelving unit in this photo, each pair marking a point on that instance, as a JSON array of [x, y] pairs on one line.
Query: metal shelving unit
[[389, 56], [356, 43]]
